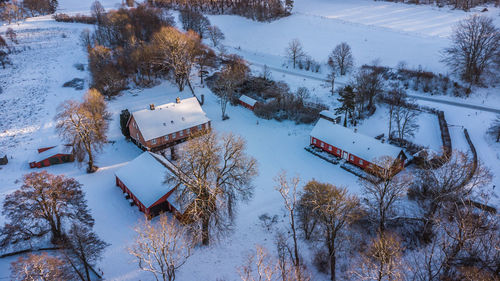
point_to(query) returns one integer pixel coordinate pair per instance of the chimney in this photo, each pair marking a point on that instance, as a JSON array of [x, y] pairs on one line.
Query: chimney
[[178, 100], [202, 99], [152, 106]]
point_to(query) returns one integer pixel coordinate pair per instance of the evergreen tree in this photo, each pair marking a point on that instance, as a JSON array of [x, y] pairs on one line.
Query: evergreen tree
[[347, 100]]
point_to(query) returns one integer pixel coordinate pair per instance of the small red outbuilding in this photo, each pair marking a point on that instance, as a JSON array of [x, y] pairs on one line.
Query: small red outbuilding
[[52, 155], [247, 102]]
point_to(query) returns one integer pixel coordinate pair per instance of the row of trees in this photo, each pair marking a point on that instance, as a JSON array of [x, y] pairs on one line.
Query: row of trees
[[14, 10], [465, 5], [50, 205], [261, 10]]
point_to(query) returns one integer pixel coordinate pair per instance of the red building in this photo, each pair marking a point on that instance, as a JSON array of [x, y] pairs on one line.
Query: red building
[[247, 102], [165, 125], [52, 155], [142, 181], [357, 149]]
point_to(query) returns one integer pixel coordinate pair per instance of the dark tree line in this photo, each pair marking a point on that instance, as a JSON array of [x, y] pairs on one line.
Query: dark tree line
[[16, 10], [261, 10], [465, 5]]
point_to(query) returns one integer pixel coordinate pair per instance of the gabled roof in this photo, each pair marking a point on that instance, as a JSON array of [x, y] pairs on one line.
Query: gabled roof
[[169, 118], [362, 146], [145, 177], [248, 100], [58, 149]]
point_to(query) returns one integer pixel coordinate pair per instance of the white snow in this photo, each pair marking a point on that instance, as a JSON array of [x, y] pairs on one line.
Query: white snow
[[357, 144], [169, 118], [389, 31], [248, 100]]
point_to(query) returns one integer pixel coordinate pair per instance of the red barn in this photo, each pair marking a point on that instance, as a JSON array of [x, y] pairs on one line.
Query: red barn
[[52, 155], [355, 148], [247, 102], [142, 180], [165, 125]]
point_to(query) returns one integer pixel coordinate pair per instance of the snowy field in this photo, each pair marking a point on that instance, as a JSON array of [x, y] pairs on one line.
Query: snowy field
[[392, 32]]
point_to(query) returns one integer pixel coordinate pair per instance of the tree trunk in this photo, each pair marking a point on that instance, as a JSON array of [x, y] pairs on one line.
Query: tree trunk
[[205, 235], [295, 246], [90, 168], [333, 260]]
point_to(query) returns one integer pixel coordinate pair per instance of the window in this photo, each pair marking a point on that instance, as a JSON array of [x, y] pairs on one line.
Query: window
[[153, 141], [181, 133], [314, 141], [166, 137], [330, 147], [200, 127], [322, 145], [352, 158], [338, 151], [360, 162], [137, 135]]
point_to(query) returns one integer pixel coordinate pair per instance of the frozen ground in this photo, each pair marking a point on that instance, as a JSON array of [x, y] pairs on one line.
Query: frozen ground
[[32, 91]]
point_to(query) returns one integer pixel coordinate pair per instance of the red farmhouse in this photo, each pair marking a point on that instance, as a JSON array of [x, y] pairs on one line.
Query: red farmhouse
[[247, 102], [355, 148], [52, 155], [162, 126], [142, 181]]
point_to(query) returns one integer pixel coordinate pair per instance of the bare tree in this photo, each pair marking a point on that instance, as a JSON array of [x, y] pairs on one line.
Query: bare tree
[[405, 119], [44, 203], [384, 192], [98, 11], [494, 129], [82, 248], [260, 266], [194, 20], [341, 58], [288, 190], [382, 260], [11, 34], [394, 98], [459, 178], [333, 210], [232, 74], [84, 126], [368, 84], [215, 35], [162, 247], [475, 46], [219, 173], [40, 268], [295, 52], [176, 52]]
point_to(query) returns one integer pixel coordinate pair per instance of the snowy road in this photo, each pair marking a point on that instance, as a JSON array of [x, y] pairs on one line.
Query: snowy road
[[418, 97]]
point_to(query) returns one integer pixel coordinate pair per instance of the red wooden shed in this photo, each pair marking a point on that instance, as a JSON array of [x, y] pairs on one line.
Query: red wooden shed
[[247, 102], [52, 155]]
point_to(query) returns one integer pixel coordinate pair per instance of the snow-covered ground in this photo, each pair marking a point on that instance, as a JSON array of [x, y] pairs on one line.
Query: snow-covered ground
[[392, 32]]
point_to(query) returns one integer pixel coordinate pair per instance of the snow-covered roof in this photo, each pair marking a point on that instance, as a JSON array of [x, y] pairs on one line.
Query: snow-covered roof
[[169, 118], [362, 146], [248, 100], [328, 113], [58, 149], [145, 177]]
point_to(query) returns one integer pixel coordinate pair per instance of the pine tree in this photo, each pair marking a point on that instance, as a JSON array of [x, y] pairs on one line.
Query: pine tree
[[347, 100]]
